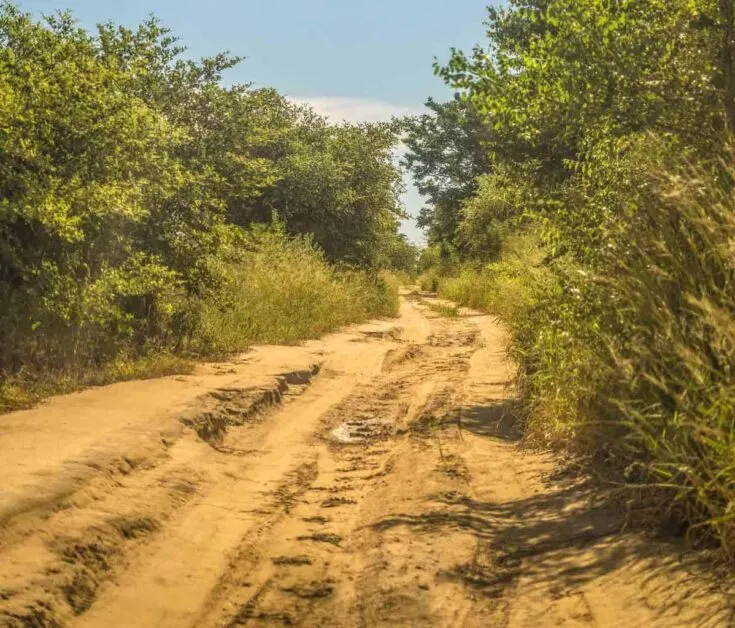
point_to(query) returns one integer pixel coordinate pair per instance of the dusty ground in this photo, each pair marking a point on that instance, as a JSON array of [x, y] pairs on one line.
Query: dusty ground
[[371, 478]]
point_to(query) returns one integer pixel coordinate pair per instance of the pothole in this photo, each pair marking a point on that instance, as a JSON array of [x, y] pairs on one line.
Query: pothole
[[361, 430]]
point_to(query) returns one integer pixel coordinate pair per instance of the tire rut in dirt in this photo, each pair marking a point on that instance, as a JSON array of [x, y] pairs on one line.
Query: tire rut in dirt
[[304, 572], [225, 408], [91, 538]]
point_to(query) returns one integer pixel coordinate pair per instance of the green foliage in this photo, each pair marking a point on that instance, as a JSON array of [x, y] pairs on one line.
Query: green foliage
[[429, 258], [339, 183], [446, 310], [505, 287], [676, 366], [281, 290], [635, 367], [401, 256], [129, 178], [434, 262], [500, 205], [445, 154], [602, 234], [586, 70]]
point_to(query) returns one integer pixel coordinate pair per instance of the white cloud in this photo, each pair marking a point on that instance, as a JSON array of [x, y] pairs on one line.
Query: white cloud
[[338, 108]]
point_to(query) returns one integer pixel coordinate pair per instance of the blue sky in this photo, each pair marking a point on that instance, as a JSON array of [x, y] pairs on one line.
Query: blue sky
[[351, 59]]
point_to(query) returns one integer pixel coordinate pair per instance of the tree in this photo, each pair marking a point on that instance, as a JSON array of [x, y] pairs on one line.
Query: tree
[[83, 161], [566, 86], [590, 69], [129, 177], [446, 151], [339, 183]]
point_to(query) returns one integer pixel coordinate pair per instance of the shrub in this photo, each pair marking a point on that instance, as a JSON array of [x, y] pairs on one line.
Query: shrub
[[282, 291], [675, 359], [503, 287], [130, 180]]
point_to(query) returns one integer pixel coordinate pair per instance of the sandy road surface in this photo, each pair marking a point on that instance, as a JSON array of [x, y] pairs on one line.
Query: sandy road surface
[[367, 479]]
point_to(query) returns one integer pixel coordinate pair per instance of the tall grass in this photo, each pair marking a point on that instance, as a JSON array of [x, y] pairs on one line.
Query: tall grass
[[501, 287], [284, 291], [25, 389], [675, 366], [633, 368]]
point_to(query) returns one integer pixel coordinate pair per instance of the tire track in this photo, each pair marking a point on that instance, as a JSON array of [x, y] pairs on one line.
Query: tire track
[[305, 573]]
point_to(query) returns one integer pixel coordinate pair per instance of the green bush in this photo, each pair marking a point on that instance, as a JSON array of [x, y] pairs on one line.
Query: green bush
[[503, 287], [282, 291], [274, 290], [634, 367], [608, 127], [674, 356]]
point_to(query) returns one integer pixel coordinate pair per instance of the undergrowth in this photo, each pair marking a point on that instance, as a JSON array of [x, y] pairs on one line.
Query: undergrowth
[[633, 369], [591, 206], [277, 290], [447, 310], [283, 291], [136, 190], [24, 390]]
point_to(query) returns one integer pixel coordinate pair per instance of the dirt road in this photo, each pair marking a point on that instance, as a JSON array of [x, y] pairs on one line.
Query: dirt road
[[371, 478]]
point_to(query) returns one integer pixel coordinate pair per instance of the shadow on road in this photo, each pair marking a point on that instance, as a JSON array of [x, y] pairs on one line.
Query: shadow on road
[[495, 420], [559, 540]]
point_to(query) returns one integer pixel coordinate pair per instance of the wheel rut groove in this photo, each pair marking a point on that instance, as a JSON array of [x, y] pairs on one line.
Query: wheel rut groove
[[370, 478]]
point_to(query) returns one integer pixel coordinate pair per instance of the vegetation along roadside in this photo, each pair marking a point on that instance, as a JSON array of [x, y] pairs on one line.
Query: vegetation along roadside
[[580, 186], [149, 214]]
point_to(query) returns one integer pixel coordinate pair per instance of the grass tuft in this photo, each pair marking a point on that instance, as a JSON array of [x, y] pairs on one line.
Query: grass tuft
[[24, 391], [283, 292], [442, 309]]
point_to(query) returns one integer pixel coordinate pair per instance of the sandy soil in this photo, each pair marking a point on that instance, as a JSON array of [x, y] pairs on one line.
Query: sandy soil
[[371, 478]]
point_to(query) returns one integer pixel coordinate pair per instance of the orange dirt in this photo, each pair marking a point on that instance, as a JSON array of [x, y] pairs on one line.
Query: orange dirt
[[371, 478]]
